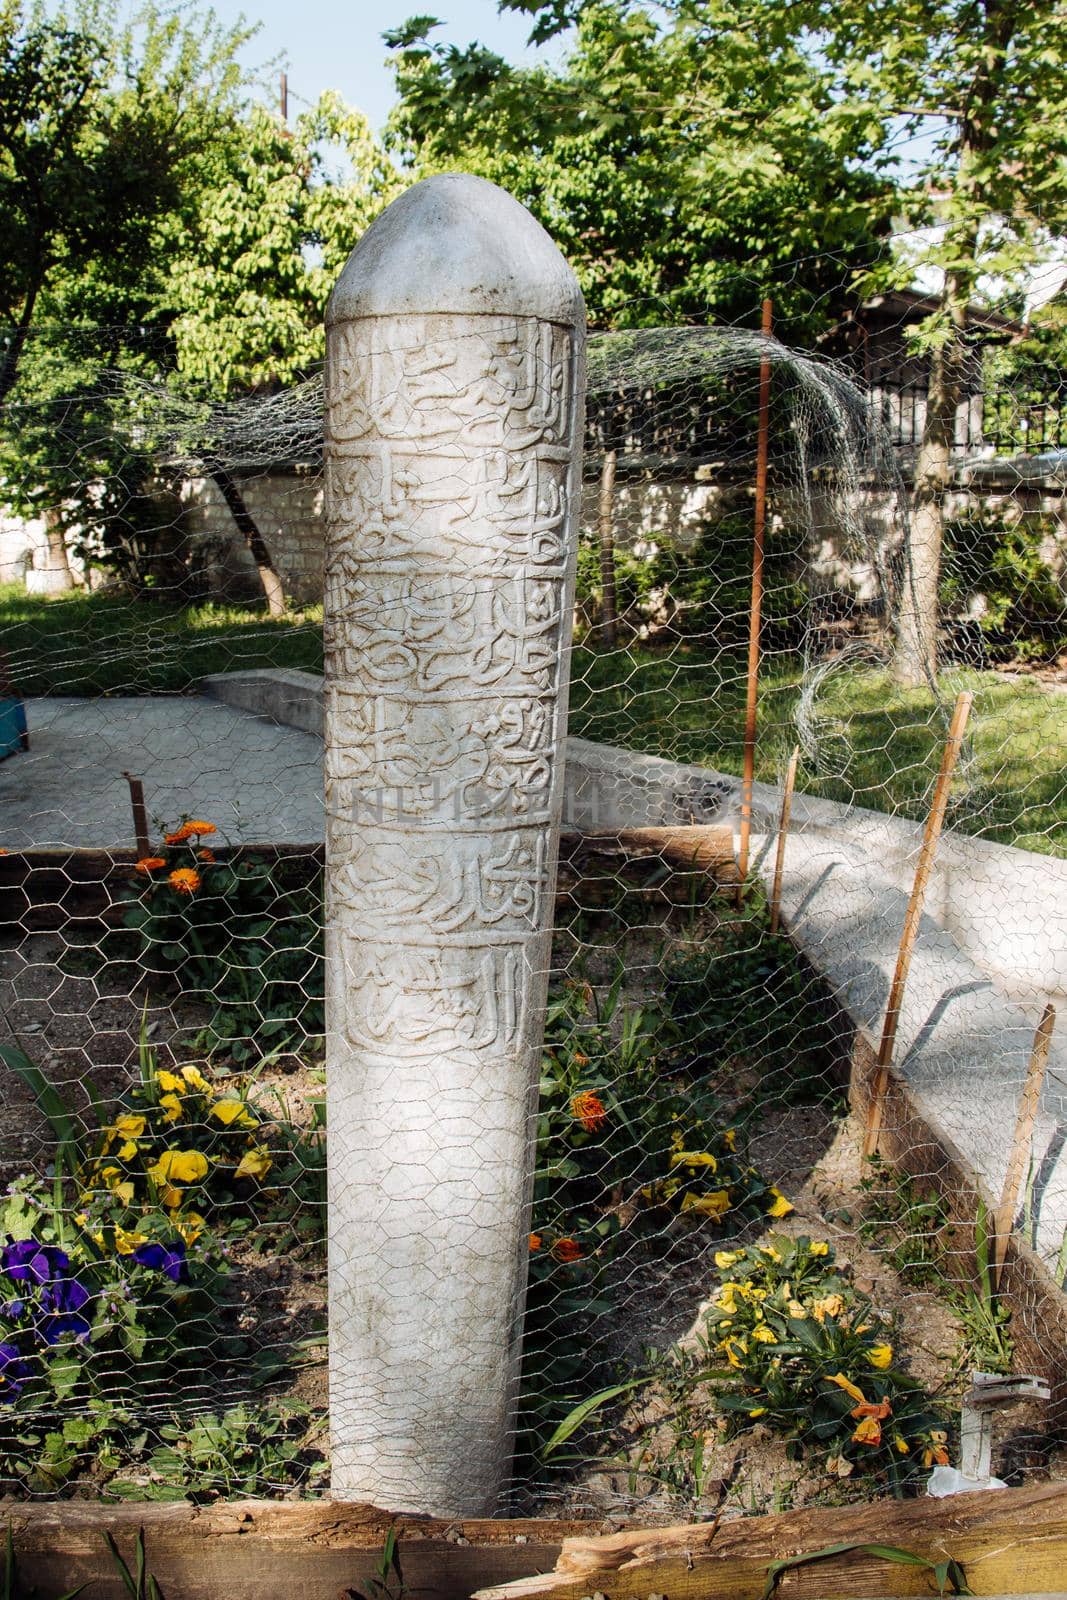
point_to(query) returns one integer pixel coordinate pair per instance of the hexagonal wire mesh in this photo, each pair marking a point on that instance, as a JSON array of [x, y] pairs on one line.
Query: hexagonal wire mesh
[[729, 1303]]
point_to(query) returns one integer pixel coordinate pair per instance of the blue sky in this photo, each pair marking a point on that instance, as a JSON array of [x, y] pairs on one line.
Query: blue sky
[[331, 45]]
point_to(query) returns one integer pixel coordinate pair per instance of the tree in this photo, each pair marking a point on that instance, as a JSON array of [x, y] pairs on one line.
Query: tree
[[983, 79], [273, 228], [686, 160], [101, 130]]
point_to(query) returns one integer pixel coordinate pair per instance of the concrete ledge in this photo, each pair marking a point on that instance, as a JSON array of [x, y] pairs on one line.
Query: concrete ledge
[[288, 696]]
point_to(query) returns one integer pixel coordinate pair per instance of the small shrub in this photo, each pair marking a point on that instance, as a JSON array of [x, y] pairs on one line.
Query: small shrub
[[808, 1356], [999, 565]]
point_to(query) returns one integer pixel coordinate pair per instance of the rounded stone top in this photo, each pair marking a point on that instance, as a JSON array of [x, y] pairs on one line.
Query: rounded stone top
[[456, 243]]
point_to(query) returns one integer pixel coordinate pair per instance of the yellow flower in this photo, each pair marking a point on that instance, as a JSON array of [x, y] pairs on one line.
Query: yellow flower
[[819, 1247], [850, 1388], [880, 1355], [868, 1431], [758, 1411], [189, 1224], [796, 1311], [770, 1252], [731, 1348], [179, 1166], [196, 1080], [780, 1206], [170, 1081], [127, 1242], [763, 1335], [120, 1187], [172, 1107], [729, 1138], [831, 1305], [255, 1163], [230, 1111], [127, 1151], [724, 1259], [694, 1159], [900, 1444], [714, 1204]]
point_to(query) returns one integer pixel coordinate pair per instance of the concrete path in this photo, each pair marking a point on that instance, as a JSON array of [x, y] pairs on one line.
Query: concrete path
[[260, 783]]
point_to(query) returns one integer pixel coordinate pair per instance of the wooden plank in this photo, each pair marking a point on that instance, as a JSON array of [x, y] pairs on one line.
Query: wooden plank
[[1009, 1541], [266, 1549]]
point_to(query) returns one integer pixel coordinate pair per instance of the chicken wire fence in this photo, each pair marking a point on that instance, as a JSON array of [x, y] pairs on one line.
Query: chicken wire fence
[[729, 1304]]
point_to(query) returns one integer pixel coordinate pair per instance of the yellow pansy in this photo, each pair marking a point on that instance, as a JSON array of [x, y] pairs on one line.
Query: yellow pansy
[[770, 1252], [763, 1335], [170, 1082], [126, 1242], [120, 1187], [780, 1206], [196, 1080], [126, 1128], [714, 1204], [232, 1111], [255, 1163], [127, 1151], [831, 1305], [694, 1158], [190, 1224], [172, 1107], [732, 1348], [850, 1388], [180, 1166], [819, 1247], [880, 1355], [724, 1259]]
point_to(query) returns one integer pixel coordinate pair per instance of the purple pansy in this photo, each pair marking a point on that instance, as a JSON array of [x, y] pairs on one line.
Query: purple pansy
[[29, 1261], [62, 1303], [13, 1372], [166, 1258]]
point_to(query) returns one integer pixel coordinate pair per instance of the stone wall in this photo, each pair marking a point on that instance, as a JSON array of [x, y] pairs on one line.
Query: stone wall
[[287, 508]]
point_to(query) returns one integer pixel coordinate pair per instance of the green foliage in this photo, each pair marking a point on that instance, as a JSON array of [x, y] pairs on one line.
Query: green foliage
[[678, 158], [905, 1221], [273, 230], [233, 934], [248, 1450], [996, 569], [703, 591], [814, 1361]]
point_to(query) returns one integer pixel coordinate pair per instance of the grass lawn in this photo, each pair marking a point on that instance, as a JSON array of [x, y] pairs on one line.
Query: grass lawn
[[92, 644], [877, 745]]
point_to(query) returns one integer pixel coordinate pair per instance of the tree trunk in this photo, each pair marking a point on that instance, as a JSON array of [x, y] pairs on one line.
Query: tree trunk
[[57, 565], [608, 603], [253, 538], [915, 660]]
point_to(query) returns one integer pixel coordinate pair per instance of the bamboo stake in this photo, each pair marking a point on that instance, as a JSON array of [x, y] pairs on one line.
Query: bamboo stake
[[140, 816], [934, 823], [783, 829], [609, 603], [755, 613], [1024, 1132]]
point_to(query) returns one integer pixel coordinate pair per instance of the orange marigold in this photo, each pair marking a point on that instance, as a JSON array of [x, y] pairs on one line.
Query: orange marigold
[[179, 835], [195, 826], [151, 863], [535, 1242], [185, 880], [205, 855], [588, 1109], [567, 1250]]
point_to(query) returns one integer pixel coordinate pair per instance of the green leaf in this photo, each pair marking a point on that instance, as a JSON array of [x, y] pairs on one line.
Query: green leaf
[[574, 1419], [948, 1574]]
